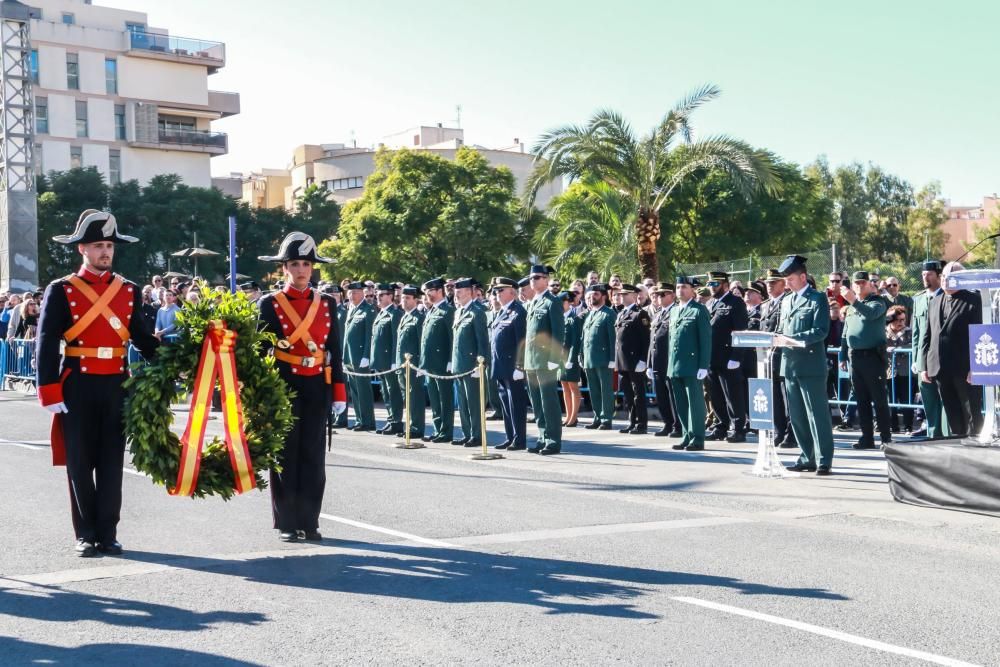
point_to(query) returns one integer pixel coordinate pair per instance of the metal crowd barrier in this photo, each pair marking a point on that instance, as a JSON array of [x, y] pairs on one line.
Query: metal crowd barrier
[[17, 362], [843, 395]]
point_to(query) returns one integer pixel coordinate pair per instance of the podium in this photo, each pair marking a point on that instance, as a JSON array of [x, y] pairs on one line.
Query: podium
[[761, 399]]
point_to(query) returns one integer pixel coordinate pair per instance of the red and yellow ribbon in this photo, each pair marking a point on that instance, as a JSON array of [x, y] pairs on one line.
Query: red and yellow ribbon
[[218, 361]]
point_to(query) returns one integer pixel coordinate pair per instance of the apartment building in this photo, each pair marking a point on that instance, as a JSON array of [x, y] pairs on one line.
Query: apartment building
[[963, 222], [113, 92]]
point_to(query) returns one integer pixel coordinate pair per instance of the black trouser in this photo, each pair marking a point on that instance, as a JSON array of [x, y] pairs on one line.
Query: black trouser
[[665, 401], [868, 381], [728, 392], [902, 387], [297, 491], [782, 424], [634, 391], [514, 404], [94, 432], [963, 403]]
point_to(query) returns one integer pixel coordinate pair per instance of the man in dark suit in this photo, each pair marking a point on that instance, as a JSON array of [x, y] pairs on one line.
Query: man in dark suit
[[631, 352], [507, 333], [659, 356], [946, 354], [726, 380], [770, 321]]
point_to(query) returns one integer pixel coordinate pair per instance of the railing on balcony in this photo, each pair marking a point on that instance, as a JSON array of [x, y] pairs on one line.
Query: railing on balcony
[[180, 46], [193, 138]]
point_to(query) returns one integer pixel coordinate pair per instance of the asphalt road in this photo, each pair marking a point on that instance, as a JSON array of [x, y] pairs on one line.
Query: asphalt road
[[619, 551]]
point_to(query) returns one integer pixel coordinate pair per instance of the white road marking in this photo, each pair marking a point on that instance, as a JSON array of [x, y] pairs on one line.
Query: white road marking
[[603, 529], [827, 632], [387, 531]]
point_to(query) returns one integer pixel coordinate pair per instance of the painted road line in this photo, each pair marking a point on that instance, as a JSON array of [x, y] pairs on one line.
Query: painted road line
[[827, 632], [590, 531], [387, 531]]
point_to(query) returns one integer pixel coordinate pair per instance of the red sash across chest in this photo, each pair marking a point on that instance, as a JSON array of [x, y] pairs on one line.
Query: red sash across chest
[[100, 345], [316, 333]]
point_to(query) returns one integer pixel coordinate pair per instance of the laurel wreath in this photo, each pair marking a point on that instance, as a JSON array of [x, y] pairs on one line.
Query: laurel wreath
[[157, 385]]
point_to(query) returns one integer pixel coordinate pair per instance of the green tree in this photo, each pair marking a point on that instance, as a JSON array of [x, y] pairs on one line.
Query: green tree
[[986, 254], [648, 169], [422, 215], [318, 214], [924, 232], [62, 196]]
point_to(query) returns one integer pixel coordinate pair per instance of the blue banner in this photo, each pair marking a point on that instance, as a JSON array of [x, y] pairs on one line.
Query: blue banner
[[984, 353], [761, 404], [974, 279]]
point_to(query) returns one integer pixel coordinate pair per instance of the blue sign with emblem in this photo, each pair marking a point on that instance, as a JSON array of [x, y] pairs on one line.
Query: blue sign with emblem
[[752, 339], [984, 353], [761, 401], [973, 279]]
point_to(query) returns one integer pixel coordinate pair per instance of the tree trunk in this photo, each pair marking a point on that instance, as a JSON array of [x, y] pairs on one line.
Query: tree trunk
[[648, 232]]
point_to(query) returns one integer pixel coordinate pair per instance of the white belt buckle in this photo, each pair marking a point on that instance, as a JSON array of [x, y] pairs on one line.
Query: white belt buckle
[[105, 353], [308, 362]]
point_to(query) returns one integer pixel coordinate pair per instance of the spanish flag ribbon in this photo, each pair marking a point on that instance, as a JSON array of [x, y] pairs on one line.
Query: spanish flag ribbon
[[218, 361]]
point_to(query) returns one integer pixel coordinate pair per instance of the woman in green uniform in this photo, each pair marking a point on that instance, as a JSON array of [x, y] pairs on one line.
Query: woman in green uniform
[[569, 374]]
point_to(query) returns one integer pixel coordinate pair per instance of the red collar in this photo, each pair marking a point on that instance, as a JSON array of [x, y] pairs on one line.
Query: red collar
[[297, 294], [92, 277]]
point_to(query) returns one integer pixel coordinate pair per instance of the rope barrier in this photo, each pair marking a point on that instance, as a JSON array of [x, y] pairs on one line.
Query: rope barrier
[[420, 373]]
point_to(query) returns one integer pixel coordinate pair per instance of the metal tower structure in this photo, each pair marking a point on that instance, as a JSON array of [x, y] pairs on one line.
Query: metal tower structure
[[18, 198]]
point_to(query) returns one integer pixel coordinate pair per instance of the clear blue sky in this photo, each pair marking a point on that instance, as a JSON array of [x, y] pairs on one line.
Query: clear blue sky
[[911, 85]]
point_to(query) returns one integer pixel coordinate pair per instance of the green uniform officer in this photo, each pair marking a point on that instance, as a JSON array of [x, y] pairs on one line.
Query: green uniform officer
[[341, 421], [492, 386], [357, 351], [935, 420], [543, 355], [688, 360], [435, 357], [408, 335], [598, 344], [863, 343], [383, 357], [805, 318], [470, 341]]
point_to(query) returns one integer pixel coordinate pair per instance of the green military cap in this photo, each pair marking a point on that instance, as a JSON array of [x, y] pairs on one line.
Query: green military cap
[[792, 264], [412, 290], [385, 287], [627, 289], [524, 282], [434, 283], [860, 276], [720, 276], [462, 283], [598, 287], [773, 275], [355, 285], [687, 280], [662, 288], [757, 286], [932, 265], [540, 269]]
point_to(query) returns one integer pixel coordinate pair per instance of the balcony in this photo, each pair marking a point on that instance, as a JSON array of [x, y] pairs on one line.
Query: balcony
[[198, 141], [177, 49], [226, 104]]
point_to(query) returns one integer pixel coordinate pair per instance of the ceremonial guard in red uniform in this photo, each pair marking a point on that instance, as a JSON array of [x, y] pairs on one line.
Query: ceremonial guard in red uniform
[[309, 360], [96, 313]]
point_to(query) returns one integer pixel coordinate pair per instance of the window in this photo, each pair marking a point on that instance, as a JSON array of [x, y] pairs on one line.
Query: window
[[136, 28], [68, 18], [72, 71], [42, 115], [120, 122], [174, 124], [33, 65], [345, 183], [75, 157], [114, 167], [81, 118], [111, 76]]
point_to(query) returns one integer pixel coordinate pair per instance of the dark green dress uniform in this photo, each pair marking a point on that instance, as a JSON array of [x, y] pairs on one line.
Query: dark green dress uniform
[[383, 355], [690, 353], [572, 338], [935, 420], [863, 343], [598, 343], [470, 340], [805, 317], [357, 348], [492, 386], [542, 360], [341, 327], [411, 326], [435, 357]]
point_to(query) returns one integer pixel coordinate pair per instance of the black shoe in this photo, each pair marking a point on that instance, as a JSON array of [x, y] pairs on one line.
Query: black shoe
[[662, 433], [640, 430], [549, 451], [680, 445], [516, 448], [801, 467], [593, 425], [112, 548], [426, 438], [738, 436], [85, 549], [694, 448], [715, 435], [493, 416], [886, 439], [789, 444], [823, 471], [309, 535], [459, 441], [473, 442], [441, 438], [503, 445], [606, 426], [535, 450], [288, 536], [359, 428], [922, 433], [400, 434], [627, 429], [532, 420], [676, 433], [863, 444], [384, 429], [847, 427]]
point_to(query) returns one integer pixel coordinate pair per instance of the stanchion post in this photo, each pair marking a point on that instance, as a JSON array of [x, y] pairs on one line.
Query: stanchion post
[[485, 456], [407, 442]]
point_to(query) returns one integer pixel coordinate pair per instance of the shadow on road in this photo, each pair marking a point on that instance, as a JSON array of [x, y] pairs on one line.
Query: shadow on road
[[465, 576], [19, 652]]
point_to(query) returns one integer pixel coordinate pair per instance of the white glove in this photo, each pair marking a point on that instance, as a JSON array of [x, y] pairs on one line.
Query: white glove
[[611, 365], [57, 408], [649, 373], [339, 407], [517, 375], [395, 366], [552, 366], [640, 367], [568, 365], [732, 365], [914, 369], [475, 373], [420, 373], [364, 363], [448, 369], [702, 374]]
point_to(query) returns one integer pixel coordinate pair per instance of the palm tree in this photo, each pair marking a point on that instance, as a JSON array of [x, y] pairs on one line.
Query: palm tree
[[646, 170]]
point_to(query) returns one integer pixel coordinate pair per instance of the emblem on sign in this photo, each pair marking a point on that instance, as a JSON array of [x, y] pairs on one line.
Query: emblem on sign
[[760, 401], [115, 323], [987, 353]]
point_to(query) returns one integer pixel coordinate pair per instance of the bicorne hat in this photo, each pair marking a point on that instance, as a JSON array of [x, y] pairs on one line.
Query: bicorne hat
[[93, 226], [297, 245]]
